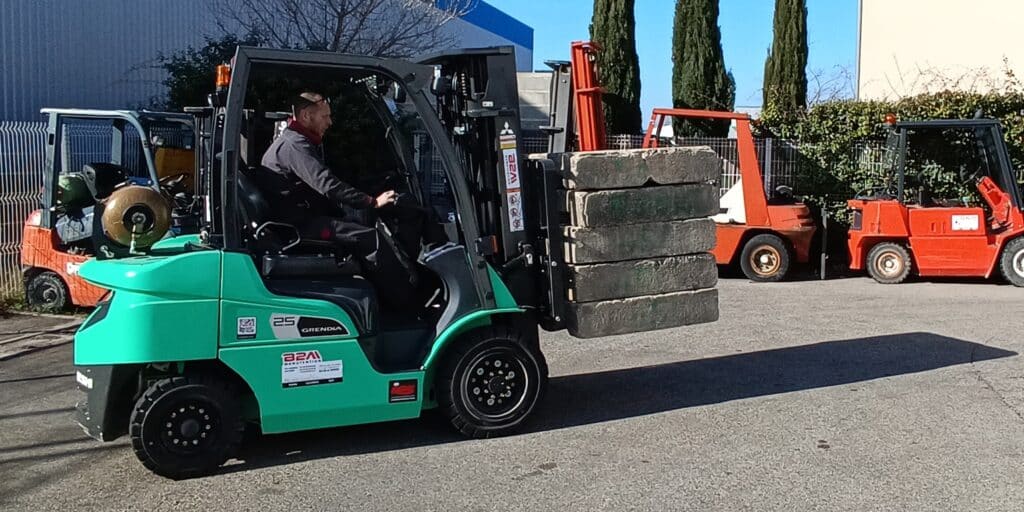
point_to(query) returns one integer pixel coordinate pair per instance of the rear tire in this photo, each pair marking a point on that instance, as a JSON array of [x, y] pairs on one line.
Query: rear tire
[[491, 382], [765, 258], [889, 263], [46, 291], [1011, 263], [185, 427]]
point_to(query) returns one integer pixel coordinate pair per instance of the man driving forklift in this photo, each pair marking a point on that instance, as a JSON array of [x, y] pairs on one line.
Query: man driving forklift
[[305, 192]]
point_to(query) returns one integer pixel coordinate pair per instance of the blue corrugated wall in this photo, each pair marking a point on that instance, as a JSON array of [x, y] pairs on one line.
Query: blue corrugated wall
[[89, 53]]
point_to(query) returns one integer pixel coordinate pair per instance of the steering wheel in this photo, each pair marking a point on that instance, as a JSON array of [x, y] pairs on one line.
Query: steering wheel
[[881, 192], [173, 181], [970, 178]]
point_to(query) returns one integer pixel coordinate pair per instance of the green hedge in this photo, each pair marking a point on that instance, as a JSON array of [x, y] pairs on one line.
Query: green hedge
[[828, 173]]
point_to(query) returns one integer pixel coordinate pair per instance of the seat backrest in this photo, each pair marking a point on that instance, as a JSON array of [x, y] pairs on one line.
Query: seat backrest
[[251, 204], [104, 177]]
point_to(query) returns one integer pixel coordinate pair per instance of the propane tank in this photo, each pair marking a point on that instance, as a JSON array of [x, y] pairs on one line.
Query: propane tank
[[136, 217]]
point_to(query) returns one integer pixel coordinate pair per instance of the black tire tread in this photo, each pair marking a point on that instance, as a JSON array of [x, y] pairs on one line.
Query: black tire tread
[[48, 275], [908, 262], [233, 435], [447, 403], [766, 239], [1006, 261]]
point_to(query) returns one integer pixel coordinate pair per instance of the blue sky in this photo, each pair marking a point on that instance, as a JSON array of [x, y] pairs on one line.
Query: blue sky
[[746, 36]]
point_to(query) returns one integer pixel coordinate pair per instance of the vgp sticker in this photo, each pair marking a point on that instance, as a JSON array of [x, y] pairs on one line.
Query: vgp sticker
[[308, 368], [246, 328]]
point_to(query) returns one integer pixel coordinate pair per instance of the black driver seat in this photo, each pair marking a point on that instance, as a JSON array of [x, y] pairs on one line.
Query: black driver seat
[[282, 252], [294, 267]]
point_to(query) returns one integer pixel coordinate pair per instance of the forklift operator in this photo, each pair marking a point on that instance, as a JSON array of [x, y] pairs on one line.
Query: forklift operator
[[304, 192]]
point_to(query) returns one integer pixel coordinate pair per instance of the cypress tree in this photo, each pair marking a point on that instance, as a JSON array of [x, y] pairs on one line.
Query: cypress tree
[[785, 78], [613, 28], [699, 77]]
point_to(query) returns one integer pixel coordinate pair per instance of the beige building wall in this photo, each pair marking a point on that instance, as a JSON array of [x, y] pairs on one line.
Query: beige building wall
[[909, 47]]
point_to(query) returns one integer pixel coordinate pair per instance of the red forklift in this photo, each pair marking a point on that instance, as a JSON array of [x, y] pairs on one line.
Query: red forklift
[[764, 236], [88, 153], [949, 205]]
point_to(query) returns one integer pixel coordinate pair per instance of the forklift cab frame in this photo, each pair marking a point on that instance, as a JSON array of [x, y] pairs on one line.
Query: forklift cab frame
[[50, 270], [415, 79], [58, 160], [994, 150]]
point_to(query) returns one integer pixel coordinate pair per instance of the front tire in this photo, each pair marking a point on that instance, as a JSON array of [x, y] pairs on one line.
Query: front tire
[[1011, 263], [765, 258], [889, 263], [185, 427], [46, 291], [491, 382]]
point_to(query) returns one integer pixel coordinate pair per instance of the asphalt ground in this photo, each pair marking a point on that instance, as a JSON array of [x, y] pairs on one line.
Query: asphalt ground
[[814, 395]]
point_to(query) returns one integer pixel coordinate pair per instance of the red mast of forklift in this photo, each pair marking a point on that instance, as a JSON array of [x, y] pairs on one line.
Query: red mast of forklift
[[589, 111]]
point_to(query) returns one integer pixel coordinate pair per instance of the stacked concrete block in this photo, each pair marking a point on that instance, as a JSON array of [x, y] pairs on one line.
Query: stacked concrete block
[[638, 238]]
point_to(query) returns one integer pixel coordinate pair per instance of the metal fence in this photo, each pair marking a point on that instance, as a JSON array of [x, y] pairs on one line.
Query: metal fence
[[22, 160], [23, 165]]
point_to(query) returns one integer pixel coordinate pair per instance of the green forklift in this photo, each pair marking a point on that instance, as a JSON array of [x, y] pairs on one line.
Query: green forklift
[[249, 323]]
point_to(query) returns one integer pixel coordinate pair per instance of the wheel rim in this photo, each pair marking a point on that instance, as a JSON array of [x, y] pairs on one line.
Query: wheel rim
[[1018, 263], [495, 384], [189, 427], [46, 294], [889, 264], [765, 260]]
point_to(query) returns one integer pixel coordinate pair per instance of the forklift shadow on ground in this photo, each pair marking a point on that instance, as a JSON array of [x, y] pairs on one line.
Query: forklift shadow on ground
[[584, 399]]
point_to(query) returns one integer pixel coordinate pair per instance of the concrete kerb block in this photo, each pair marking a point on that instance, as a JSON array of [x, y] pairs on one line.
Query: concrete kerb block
[[638, 314], [640, 205], [596, 170], [603, 281], [638, 241]]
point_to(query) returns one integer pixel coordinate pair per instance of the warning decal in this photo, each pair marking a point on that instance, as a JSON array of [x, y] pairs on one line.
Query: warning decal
[[513, 196], [307, 368], [965, 223], [515, 211]]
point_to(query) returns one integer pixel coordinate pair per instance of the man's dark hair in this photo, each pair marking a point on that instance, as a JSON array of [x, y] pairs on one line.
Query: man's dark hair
[[305, 100]]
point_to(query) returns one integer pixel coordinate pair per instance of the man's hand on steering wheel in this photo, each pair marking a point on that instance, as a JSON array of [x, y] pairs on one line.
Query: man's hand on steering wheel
[[385, 199]]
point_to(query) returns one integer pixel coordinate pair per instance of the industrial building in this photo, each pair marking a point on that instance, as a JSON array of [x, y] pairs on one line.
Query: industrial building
[[103, 53]]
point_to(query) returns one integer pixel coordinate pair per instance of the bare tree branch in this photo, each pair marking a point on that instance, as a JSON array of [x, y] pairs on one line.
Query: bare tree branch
[[928, 79], [387, 28], [825, 86]]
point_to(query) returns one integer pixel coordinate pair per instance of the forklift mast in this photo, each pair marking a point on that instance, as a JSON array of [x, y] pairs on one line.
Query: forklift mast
[[478, 104], [575, 108]]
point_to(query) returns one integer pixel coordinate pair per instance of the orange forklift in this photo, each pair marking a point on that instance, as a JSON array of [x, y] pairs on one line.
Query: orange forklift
[[88, 153], [764, 236], [950, 205]]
